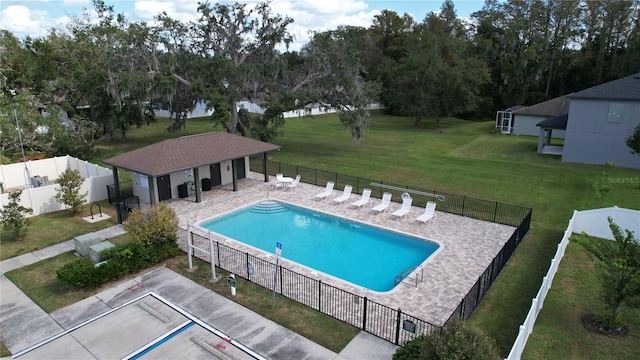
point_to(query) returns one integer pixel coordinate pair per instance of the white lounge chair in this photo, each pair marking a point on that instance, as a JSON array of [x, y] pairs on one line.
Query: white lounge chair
[[346, 194], [429, 213], [384, 203], [366, 195], [294, 184], [326, 192], [404, 210]]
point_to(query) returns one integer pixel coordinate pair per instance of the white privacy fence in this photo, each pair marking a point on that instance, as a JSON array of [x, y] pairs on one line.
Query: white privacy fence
[[592, 222], [37, 181]]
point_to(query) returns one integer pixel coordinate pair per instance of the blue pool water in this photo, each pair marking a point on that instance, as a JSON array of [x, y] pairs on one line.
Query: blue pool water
[[361, 254]]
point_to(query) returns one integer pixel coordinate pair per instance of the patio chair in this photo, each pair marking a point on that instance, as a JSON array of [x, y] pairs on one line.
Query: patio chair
[[364, 199], [326, 192], [295, 183], [277, 185], [384, 203], [405, 209], [346, 194], [429, 213]]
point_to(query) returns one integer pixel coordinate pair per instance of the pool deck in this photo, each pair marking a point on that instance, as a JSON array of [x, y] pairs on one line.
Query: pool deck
[[467, 246]]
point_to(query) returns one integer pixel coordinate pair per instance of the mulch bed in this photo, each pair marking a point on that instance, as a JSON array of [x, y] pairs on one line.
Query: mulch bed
[[592, 323]]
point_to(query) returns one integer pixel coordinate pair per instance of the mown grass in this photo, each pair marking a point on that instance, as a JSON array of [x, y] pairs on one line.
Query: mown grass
[[558, 332], [459, 157], [53, 228]]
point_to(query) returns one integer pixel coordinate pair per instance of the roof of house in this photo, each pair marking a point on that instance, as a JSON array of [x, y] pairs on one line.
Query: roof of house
[[556, 122], [188, 152], [626, 88], [553, 107]]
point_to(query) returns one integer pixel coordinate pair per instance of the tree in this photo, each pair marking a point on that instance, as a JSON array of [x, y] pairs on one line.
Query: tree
[[618, 268], [438, 77], [455, 341], [633, 141], [68, 191], [14, 220], [246, 40]]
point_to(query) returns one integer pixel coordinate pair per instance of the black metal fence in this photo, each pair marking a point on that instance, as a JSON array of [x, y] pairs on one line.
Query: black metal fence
[[128, 201], [387, 323], [380, 320], [480, 288], [493, 211]]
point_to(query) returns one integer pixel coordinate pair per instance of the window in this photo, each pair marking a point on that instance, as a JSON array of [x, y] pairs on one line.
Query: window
[[615, 113]]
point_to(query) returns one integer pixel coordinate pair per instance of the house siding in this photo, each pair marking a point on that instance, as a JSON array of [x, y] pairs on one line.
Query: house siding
[[526, 125], [591, 139]]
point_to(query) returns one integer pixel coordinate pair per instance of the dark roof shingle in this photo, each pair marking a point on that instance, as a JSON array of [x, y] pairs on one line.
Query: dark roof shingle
[[553, 107], [188, 152], [626, 88]]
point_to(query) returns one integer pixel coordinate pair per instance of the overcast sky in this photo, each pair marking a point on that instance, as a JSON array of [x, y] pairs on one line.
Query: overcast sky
[[36, 17]]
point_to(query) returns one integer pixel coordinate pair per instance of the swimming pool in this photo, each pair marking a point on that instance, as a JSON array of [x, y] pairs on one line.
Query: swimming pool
[[364, 255]]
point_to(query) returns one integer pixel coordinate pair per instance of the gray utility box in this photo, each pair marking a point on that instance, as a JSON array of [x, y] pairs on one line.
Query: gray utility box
[[97, 249], [84, 242]]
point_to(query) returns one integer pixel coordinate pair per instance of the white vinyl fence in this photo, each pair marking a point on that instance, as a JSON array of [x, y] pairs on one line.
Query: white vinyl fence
[[37, 180], [592, 222]]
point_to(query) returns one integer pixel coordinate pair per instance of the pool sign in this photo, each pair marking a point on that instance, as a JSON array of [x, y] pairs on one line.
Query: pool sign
[[278, 249], [231, 281], [275, 273], [409, 326]]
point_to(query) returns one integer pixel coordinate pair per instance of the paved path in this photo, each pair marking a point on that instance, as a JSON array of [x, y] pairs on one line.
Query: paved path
[[24, 324]]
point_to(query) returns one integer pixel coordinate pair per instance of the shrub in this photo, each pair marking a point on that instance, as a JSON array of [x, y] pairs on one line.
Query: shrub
[[120, 261], [455, 341], [79, 274], [158, 224], [13, 216]]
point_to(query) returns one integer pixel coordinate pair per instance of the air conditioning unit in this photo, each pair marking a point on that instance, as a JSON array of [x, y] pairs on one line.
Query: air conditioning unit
[[82, 243], [96, 250], [37, 181]]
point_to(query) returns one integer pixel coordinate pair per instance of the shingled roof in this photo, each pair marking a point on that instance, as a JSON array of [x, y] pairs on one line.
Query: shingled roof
[[627, 88], [553, 107], [188, 152]]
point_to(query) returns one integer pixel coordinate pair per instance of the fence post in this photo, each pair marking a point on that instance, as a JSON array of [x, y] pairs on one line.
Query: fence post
[[364, 314], [246, 266], [280, 271], [464, 198], [218, 253], [398, 328], [319, 295], [495, 213]]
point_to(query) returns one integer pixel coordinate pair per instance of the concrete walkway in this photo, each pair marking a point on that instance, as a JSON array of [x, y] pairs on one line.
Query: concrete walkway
[[24, 324]]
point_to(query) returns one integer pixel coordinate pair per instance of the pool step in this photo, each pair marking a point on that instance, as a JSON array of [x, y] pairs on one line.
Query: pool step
[[268, 207]]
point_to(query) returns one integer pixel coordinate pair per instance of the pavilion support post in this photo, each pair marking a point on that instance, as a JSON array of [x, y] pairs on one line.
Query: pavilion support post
[[152, 190], [265, 166], [234, 173], [196, 178]]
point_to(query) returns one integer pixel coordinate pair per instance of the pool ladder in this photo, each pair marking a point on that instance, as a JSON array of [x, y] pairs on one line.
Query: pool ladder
[[404, 274], [268, 207]]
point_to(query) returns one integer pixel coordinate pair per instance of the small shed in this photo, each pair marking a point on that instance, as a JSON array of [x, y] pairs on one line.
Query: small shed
[[175, 168]]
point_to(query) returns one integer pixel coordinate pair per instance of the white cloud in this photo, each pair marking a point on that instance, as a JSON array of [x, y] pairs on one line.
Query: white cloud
[[22, 21]]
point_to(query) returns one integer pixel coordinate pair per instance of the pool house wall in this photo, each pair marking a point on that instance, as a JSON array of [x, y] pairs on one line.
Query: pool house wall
[[387, 323]]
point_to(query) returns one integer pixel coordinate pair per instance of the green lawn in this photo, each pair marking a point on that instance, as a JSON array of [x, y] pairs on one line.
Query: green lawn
[[463, 158]]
